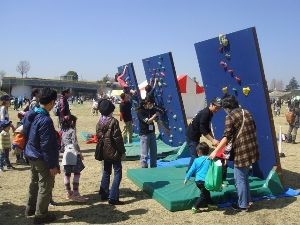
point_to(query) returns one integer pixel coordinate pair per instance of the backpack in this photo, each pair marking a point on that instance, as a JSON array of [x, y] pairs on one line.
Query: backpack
[[290, 117], [56, 109]]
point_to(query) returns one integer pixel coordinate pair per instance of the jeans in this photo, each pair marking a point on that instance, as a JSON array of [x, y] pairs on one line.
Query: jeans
[[40, 188], [204, 198], [192, 149], [127, 132], [241, 175], [148, 145], [113, 194], [4, 159]]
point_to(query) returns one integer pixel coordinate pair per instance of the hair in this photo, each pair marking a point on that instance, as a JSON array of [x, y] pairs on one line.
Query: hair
[[229, 102], [65, 91], [69, 123], [203, 147], [123, 96], [47, 95], [148, 88], [35, 92]]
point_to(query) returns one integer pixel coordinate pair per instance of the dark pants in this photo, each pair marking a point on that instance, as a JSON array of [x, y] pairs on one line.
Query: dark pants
[[4, 159], [192, 149], [40, 188], [113, 194], [204, 198]]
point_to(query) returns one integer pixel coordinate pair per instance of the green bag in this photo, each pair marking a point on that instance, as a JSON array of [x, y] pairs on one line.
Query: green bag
[[213, 179]]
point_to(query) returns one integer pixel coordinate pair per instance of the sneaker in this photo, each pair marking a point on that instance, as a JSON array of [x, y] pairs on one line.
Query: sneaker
[[2, 170], [195, 210], [235, 207], [115, 202], [78, 198], [45, 219], [29, 212], [52, 203], [69, 195]]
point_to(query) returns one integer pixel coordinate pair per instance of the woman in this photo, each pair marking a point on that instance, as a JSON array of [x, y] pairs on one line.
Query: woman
[[240, 130]]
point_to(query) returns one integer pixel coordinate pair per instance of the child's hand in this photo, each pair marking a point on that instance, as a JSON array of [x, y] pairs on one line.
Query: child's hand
[[185, 181], [81, 157]]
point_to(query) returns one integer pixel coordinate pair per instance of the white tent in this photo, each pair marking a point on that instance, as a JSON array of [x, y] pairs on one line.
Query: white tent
[[192, 94]]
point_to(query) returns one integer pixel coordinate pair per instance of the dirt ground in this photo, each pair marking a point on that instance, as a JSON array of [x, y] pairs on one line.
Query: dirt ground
[[139, 207]]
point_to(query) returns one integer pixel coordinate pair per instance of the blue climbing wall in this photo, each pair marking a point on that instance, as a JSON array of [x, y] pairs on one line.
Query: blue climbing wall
[[167, 96], [130, 79], [238, 66]]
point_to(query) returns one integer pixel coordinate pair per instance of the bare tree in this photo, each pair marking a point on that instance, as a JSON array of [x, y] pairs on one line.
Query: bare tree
[[23, 67]]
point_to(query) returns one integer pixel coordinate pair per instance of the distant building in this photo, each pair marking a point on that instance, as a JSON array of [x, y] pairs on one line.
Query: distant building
[[22, 86]]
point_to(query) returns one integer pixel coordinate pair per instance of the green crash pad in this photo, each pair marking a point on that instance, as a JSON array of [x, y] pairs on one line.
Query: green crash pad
[[133, 150], [166, 186]]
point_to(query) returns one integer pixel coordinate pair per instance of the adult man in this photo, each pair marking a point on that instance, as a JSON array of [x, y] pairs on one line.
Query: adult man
[[125, 115], [42, 151], [239, 129], [200, 125], [293, 127], [147, 114], [64, 109]]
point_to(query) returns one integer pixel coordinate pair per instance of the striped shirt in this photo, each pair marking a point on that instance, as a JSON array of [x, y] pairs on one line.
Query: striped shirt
[[245, 147], [5, 142]]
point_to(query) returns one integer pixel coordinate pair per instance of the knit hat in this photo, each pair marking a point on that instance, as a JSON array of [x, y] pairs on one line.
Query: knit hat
[[105, 107]]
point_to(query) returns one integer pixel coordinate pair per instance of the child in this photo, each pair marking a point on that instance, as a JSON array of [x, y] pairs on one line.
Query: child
[[112, 151], [199, 168], [123, 83], [5, 145], [72, 158], [18, 144]]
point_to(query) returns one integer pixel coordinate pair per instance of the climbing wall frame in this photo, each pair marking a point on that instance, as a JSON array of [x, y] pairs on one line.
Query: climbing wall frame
[[233, 65], [131, 80], [167, 96]]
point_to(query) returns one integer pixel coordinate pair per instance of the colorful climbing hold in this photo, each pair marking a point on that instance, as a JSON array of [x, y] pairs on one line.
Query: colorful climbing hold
[[230, 71], [223, 40], [246, 91], [235, 91], [175, 117], [224, 65], [238, 79], [225, 90], [227, 56], [180, 129]]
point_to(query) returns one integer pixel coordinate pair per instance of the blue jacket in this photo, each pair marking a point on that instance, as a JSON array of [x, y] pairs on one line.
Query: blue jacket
[[41, 137], [199, 167]]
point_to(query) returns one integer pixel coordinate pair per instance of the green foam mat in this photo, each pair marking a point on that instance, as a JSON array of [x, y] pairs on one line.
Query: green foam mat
[[165, 185], [133, 149]]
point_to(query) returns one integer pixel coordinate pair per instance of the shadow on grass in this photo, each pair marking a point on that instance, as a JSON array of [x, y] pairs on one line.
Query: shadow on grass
[[278, 203], [291, 179]]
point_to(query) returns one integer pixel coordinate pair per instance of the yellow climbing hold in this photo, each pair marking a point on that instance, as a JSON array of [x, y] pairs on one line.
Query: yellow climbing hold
[[246, 91]]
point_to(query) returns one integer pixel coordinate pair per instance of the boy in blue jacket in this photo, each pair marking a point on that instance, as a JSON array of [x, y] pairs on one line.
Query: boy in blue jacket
[[42, 151], [199, 168]]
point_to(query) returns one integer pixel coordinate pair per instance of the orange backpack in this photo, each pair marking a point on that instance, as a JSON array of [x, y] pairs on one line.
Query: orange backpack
[[290, 117]]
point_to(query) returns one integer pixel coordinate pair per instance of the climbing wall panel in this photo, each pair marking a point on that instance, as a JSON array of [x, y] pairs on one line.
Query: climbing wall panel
[[131, 80], [233, 65], [167, 96]]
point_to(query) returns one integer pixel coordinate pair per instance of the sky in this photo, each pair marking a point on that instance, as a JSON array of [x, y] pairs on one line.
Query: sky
[[94, 37]]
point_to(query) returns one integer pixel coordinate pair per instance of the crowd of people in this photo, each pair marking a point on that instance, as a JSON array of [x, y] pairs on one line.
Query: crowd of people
[[38, 143]]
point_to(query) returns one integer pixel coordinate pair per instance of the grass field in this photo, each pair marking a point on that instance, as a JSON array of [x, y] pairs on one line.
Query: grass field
[[139, 207]]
